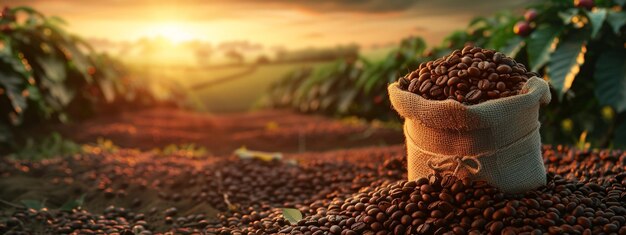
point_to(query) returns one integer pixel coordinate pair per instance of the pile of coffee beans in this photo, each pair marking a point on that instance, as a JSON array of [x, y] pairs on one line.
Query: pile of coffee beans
[[470, 76], [585, 194], [171, 193]]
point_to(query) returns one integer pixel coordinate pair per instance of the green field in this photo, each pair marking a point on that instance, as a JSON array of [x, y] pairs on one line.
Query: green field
[[241, 93], [235, 93]]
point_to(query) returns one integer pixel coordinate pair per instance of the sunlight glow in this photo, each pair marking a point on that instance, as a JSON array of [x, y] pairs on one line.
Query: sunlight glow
[[174, 32]]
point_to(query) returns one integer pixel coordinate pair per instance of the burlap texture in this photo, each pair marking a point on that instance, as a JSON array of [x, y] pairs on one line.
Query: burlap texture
[[497, 140]]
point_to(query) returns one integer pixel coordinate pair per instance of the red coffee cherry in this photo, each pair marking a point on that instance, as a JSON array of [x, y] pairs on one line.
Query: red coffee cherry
[[530, 15], [522, 28]]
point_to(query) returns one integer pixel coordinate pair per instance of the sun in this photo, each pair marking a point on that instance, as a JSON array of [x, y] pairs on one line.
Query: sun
[[175, 32]]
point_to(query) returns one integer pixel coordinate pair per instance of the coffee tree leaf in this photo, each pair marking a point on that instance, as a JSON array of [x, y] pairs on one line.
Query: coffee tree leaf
[[28, 10], [79, 59], [568, 14], [346, 100], [12, 82], [597, 18], [32, 204], [53, 67], [541, 44], [566, 60], [292, 215], [514, 46], [5, 133], [610, 79], [616, 20], [502, 35], [74, 204]]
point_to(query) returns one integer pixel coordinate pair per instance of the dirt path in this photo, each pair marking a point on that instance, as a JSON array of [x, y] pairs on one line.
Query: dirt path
[[273, 130]]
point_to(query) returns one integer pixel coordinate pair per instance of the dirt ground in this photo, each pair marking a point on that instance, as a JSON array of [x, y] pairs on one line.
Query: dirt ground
[[122, 178], [271, 130]]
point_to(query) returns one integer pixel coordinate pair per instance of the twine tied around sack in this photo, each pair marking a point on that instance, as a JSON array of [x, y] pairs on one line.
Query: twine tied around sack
[[441, 162], [448, 162]]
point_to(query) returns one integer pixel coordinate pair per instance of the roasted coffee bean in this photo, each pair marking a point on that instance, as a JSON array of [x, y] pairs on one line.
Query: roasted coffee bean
[[467, 60], [502, 69], [403, 83], [453, 81], [424, 77], [484, 84], [425, 86], [501, 86], [471, 69], [583, 195], [453, 59], [497, 57], [442, 80], [474, 95], [441, 70]]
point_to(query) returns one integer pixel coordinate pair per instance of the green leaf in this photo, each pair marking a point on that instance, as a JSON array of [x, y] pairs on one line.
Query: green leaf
[[514, 45], [28, 10], [292, 215], [540, 44], [616, 20], [610, 78], [54, 68], [32, 204], [597, 18], [566, 60], [5, 133], [567, 15], [74, 204], [620, 2], [107, 88], [345, 100], [12, 82]]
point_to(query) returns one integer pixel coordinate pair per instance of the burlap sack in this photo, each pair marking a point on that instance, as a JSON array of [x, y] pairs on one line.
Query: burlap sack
[[497, 140]]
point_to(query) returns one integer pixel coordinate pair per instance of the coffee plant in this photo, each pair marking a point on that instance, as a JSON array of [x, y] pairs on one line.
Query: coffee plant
[[48, 74], [578, 46]]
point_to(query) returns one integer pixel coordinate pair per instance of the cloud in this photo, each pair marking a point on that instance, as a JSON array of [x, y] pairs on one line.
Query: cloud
[[313, 35], [319, 6], [363, 6]]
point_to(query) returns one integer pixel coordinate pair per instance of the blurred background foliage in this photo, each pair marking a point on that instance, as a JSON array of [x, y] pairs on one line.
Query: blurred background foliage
[[579, 46], [50, 75]]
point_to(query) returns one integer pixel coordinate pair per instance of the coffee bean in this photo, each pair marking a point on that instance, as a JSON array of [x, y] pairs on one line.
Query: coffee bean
[[501, 86], [496, 227], [358, 226], [504, 69], [423, 228], [474, 95], [463, 86], [484, 84], [467, 50], [441, 70], [425, 87], [442, 80], [424, 77], [497, 57], [436, 91], [473, 71], [476, 69], [583, 194], [453, 59]]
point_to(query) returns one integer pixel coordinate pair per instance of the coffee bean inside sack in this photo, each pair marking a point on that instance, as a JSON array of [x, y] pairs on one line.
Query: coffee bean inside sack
[[472, 75]]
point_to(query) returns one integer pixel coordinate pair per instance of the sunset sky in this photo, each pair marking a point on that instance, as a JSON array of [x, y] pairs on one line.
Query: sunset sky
[[286, 23]]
